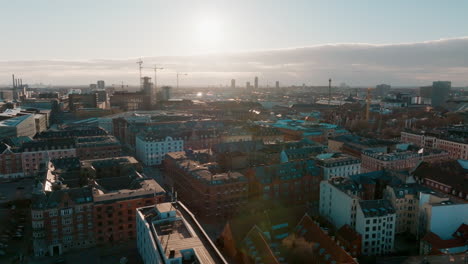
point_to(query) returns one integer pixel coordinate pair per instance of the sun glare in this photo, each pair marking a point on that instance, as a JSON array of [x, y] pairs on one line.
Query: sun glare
[[209, 31]]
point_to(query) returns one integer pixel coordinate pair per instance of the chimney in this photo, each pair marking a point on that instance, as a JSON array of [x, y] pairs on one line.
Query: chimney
[[13, 77]]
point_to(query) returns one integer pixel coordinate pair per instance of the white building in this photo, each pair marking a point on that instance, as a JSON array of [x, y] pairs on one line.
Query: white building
[[440, 215], [169, 233], [338, 202], [404, 199], [151, 149], [375, 221], [338, 164]]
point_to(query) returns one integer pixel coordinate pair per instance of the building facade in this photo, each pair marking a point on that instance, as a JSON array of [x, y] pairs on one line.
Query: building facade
[[209, 192], [375, 221], [457, 149], [61, 221], [151, 148], [403, 160], [337, 164]]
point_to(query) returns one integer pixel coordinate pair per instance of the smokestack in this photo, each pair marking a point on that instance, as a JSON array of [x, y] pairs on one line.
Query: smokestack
[[13, 77], [329, 91]]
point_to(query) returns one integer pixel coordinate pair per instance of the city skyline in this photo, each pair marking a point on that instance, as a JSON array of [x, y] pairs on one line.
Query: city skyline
[[405, 64]]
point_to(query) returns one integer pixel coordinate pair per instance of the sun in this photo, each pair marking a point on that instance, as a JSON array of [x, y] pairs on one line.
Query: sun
[[210, 31]]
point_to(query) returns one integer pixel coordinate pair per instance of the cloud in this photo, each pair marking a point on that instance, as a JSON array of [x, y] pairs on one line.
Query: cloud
[[356, 64]]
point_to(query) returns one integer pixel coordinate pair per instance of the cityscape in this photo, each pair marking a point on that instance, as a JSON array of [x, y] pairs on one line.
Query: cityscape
[[308, 148]]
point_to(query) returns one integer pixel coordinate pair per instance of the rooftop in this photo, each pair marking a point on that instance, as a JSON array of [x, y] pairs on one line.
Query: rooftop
[[373, 208], [322, 243], [175, 228], [14, 121]]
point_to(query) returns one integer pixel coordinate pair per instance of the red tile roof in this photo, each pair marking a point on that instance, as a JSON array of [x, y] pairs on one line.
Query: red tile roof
[[312, 232], [347, 233], [438, 243]]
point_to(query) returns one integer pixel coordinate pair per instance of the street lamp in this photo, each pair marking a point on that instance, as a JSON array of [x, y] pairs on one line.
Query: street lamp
[[178, 78]]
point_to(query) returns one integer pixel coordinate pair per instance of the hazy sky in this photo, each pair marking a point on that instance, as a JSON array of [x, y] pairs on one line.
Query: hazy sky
[[89, 30]]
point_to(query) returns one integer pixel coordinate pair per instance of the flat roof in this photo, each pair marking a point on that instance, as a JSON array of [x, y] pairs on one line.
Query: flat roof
[[180, 232]]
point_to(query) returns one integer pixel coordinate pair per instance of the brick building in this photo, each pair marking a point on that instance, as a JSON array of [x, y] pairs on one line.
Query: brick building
[[97, 147], [451, 140], [10, 162], [62, 220], [295, 181], [209, 192], [115, 203], [399, 160], [39, 151], [81, 204]]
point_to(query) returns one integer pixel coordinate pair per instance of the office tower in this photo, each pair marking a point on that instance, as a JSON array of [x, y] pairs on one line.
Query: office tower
[[149, 92], [101, 84], [440, 92], [256, 82], [233, 83], [277, 84], [166, 93], [247, 85], [382, 90]]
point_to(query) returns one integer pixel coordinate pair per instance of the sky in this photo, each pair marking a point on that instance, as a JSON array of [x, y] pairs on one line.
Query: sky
[[108, 36]]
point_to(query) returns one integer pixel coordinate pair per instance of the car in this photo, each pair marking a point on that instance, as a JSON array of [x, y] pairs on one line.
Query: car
[[20, 188]]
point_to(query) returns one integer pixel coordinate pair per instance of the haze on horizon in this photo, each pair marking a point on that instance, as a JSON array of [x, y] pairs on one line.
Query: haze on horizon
[[358, 42]]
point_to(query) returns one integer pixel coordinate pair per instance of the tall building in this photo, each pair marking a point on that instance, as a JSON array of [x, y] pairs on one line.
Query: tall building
[[170, 233], [233, 83], [440, 92], [148, 91], [166, 93], [256, 83], [382, 90], [277, 85], [436, 94], [101, 84], [247, 85]]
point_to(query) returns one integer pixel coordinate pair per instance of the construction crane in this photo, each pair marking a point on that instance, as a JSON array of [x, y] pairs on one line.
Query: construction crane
[[140, 62]]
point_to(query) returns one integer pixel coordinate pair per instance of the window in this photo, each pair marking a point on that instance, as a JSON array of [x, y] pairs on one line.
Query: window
[[38, 224], [66, 221], [37, 215], [53, 213], [65, 212]]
